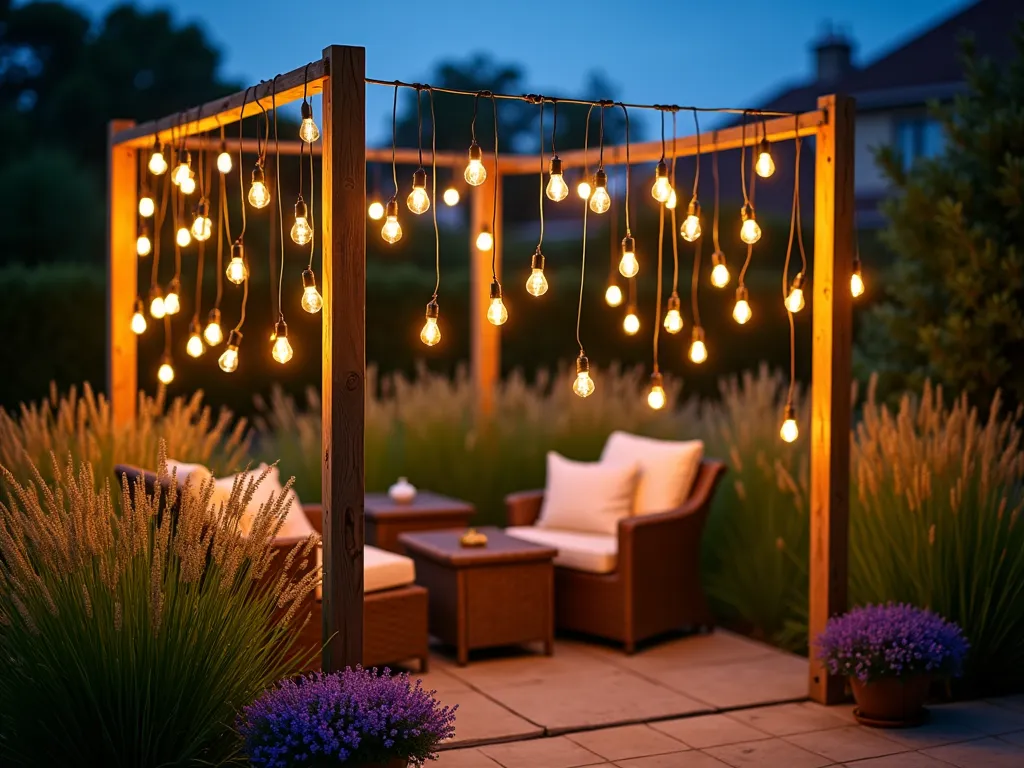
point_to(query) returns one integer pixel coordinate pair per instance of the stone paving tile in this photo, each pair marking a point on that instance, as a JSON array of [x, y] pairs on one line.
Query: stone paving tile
[[463, 758], [626, 741], [901, 760], [708, 731], [1010, 702], [719, 647], [944, 726], [983, 753], [767, 680], [1017, 737], [983, 716], [479, 720], [844, 744], [570, 661], [554, 752], [767, 753], [788, 719], [691, 759]]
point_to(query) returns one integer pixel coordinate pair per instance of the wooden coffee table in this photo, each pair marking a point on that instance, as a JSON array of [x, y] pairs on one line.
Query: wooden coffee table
[[482, 597], [386, 519]]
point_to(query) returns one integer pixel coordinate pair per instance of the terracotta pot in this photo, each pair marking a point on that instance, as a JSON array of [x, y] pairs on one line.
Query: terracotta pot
[[395, 762], [891, 702]]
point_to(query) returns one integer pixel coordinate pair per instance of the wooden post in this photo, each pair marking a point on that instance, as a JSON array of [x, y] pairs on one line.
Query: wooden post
[[831, 378], [343, 234], [485, 339], [122, 275]]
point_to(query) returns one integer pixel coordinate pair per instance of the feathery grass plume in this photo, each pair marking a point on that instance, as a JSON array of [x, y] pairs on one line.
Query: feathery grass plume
[[82, 426], [131, 635]]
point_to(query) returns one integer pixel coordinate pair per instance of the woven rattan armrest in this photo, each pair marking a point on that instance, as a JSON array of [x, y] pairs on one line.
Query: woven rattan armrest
[[523, 507]]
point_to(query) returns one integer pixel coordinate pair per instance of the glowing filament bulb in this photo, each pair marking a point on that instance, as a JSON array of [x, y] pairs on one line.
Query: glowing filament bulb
[[228, 361], [741, 311], [719, 271], [431, 332], [143, 245], [764, 166], [392, 230], [673, 317], [172, 302], [613, 295], [156, 304], [451, 197], [202, 227], [672, 201], [750, 231], [475, 173], [537, 283], [375, 211], [138, 317], [302, 232], [485, 240], [583, 385], [795, 299], [224, 162], [194, 347], [656, 395], [182, 171], [631, 322], [183, 237], [497, 314], [308, 131], [282, 350], [789, 431], [312, 301], [600, 201], [146, 206], [259, 195], [690, 230], [698, 350], [213, 333], [556, 189], [418, 200], [856, 280], [188, 186], [157, 162], [236, 270], [583, 189], [628, 265], [662, 187], [166, 371]]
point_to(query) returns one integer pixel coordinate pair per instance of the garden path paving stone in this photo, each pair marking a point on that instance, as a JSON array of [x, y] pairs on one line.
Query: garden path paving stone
[[480, 719], [944, 726], [768, 753], [982, 753], [1017, 737], [788, 719], [770, 679], [691, 759], [626, 741], [902, 760], [709, 731], [553, 752], [464, 758], [718, 647], [844, 744], [983, 716]]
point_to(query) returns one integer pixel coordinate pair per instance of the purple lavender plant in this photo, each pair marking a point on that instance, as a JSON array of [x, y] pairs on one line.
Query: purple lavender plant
[[892, 640], [357, 717]]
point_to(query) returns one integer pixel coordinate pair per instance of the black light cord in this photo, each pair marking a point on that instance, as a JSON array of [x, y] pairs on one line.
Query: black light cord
[[675, 240], [419, 126], [540, 242], [663, 135], [223, 227], [241, 179], [625, 114], [280, 205], [750, 202], [433, 194], [554, 124], [743, 155], [657, 303], [312, 200], [394, 141], [696, 173], [714, 176], [494, 199], [794, 226], [583, 260]]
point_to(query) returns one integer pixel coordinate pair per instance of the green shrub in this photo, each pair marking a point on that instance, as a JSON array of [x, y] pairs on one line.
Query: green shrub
[[133, 639]]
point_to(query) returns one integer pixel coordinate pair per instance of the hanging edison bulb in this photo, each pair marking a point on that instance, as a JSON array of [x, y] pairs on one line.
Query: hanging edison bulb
[[475, 173], [673, 317], [146, 206], [600, 201], [282, 350], [613, 295], [138, 317], [656, 396], [228, 361], [750, 231], [556, 190], [662, 187], [764, 166], [143, 245], [418, 200], [583, 385], [583, 189], [673, 200], [194, 347], [789, 431], [741, 311], [172, 301], [795, 298], [430, 334], [259, 195], [182, 170], [202, 227], [165, 373], [301, 232], [856, 280], [485, 240], [224, 162], [690, 229], [312, 301], [375, 211], [188, 185], [212, 332], [497, 314], [719, 271], [698, 349], [451, 197], [237, 271], [183, 237], [631, 322], [156, 303], [628, 264], [392, 230], [537, 283], [157, 162], [308, 131]]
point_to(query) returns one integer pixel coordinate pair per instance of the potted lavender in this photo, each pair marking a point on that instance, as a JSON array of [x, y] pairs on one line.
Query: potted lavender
[[354, 718], [890, 653]]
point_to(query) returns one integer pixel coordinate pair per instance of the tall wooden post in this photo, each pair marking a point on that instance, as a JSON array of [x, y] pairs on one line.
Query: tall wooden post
[[831, 378], [344, 352], [485, 339], [122, 275]]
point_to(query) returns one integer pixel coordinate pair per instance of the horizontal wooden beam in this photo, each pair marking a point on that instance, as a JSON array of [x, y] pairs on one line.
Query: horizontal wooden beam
[[403, 155], [210, 116], [776, 129]]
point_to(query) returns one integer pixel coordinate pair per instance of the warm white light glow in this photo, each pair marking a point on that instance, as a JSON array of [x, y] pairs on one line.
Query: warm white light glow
[[662, 189], [789, 432], [202, 228], [795, 300], [181, 172], [765, 167], [282, 351], [628, 265], [312, 301], [228, 360], [224, 163], [172, 303], [146, 206], [613, 295], [165, 373], [484, 241], [497, 314], [656, 397], [375, 211], [583, 190], [451, 196], [213, 334], [308, 131], [138, 323], [431, 332], [720, 276], [195, 347], [143, 245], [741, 312], [301, 232], [673, 200], [690, 230], [392, 230], [183, 237], [583, 385], [537, 283], [156, 308], [557, 189], [475, 173], [750, 231], [698, 351], [600, 201], [236, 270], [418, 200], [673, 321], [188, 186], [259, 195], [856, 284], [631, 323], [157, 163]]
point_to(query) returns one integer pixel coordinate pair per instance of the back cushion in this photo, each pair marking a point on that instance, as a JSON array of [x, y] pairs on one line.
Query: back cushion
[[296, 524], [667, 468], [587, 496]]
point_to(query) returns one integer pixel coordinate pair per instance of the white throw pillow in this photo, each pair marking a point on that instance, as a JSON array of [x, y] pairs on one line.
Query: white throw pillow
[[191, 477], [587, 496], [296, 524], [667, 468]]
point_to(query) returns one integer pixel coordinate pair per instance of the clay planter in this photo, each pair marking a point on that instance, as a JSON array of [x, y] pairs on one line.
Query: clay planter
[[891, 702]]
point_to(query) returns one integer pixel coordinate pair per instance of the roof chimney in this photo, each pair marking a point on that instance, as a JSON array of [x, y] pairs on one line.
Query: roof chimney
[[833, 54]]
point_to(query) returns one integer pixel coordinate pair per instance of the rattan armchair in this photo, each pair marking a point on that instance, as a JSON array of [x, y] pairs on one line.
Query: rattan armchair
[[655, 587]]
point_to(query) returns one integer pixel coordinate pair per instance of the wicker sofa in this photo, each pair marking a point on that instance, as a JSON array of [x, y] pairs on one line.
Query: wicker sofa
[[394, 607], [644, 583]]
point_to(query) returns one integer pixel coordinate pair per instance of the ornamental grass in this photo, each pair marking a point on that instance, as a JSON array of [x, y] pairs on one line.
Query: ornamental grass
[[131, 636]]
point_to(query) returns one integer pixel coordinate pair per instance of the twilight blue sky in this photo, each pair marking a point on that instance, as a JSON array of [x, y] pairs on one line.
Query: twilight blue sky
[[725, 54]]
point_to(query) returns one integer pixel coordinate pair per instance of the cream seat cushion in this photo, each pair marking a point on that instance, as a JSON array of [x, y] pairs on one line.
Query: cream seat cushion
[[386, 570], [590, 497], [190, 477], [668, 468], [591, 552], [296, 524]]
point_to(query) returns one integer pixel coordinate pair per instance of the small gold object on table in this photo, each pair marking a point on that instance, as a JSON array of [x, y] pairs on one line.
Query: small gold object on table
[[473, 538]]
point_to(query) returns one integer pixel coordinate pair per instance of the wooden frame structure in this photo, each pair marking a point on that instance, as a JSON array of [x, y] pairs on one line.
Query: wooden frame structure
[[340, 76]]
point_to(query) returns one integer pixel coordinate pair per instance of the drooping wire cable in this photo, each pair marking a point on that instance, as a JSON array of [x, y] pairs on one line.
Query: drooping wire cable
[[280, 205], [394, 139], [749, 198], [223, 227], [583, 260], [540, 205], [696, 172], [494, 198], [657, 301], [794, 226], [241, 180], [625, 114], [433, 192], [695, 281], [312, 200], [672, 212], [204, 171], [161, 214], [714, 176]]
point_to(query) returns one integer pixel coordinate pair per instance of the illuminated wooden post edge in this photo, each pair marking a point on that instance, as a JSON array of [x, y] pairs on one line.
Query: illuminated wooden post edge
[[344, 352], [122, 275], [831, 379]]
